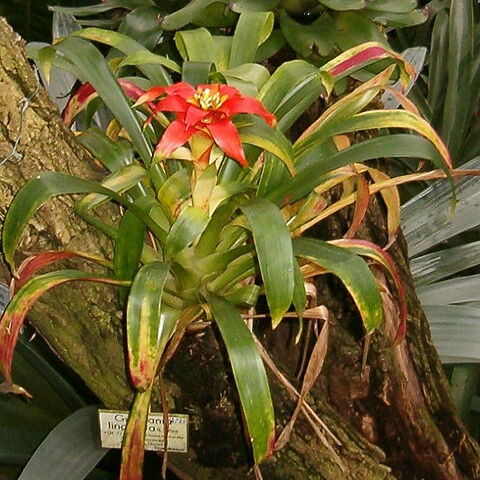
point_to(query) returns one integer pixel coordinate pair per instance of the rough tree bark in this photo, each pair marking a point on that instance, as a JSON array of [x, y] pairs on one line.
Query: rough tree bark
[[394, 420]]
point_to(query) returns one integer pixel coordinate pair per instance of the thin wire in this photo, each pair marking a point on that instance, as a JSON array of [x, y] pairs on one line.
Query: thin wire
[[25, 103]]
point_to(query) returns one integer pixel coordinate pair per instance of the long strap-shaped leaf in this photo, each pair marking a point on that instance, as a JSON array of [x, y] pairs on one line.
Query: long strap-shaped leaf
[[290, 81], [460, 59], [274, 252], [368, 249], [187, 228], [14, 315], [102, 7], [269, 139], [129, 245], [133, 450], [71, 450], [377, 119], [149, 326], [36, 262], [179, 18], [250, 376], [127, 45], [352, 271], [318, 165], [252, 29], [94, 68], [44, 187]]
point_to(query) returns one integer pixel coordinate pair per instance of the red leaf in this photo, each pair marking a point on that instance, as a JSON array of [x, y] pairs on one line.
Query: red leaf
[[371, 53]]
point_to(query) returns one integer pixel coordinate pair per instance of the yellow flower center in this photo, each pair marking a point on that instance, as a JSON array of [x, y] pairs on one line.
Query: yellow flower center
[[208, 100]]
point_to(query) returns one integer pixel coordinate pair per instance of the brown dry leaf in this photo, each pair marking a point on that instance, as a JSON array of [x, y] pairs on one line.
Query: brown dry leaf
[[361, 206], [312, 372]]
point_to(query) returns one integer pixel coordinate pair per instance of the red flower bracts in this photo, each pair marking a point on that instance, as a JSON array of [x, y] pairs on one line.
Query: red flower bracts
[[206, 110]]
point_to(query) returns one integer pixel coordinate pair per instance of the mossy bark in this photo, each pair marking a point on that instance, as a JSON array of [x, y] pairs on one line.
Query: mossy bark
[[394, 419]]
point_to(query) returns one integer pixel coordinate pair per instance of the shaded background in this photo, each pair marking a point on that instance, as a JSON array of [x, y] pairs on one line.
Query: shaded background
[[31, 18]]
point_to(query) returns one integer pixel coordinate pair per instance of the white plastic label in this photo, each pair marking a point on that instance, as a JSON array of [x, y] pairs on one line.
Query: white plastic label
[[114, 422]]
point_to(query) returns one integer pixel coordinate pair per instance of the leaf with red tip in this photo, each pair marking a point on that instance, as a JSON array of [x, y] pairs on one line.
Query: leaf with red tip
[[369, 249], [16, 311], [133, 450], [78, 102], [86, 93], [149, 323], [362, 55], [36, 262]]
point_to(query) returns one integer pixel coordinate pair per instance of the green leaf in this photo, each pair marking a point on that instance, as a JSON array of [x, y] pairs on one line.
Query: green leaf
[[289, 76], [316, 164], [242, 6], [102, 7], [269, 139], [46, 57], [252, 29], [274, 252], [460, 58], [344, 4], [113, 155], [44, 187], [149, 325], [128, 249], [119, 181], [273, 176], [354, 29], [196, 72], [222, 46], [296, 102], [369, 249], [189, 225], [14, 315], [317, 38], [393, 19], [126, 45], [173, 193], [142, 25], [239, 269], [392, 6], [220, 218], [95, 69], [31, 265], [71, 450], [181, 17], [195, 45], [376, 119], [251, 73], [250, 376], [352, 271], [142, 57], [244, 296], [299, 292], [270, 46]]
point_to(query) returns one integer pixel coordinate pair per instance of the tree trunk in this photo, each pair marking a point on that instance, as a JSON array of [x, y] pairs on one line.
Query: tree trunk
[[393, 420]]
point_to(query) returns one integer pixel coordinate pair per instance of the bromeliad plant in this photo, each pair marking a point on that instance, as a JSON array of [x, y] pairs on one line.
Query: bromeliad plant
[[215, 199]]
